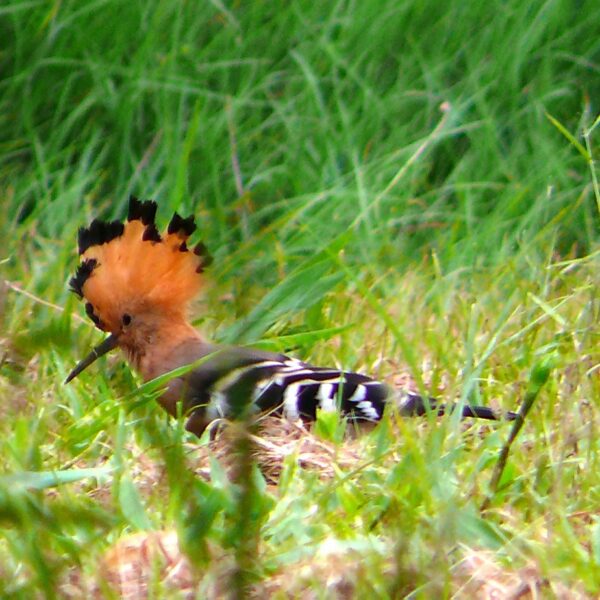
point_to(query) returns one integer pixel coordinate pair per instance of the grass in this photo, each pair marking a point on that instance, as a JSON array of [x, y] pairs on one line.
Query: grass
[[406, 189]]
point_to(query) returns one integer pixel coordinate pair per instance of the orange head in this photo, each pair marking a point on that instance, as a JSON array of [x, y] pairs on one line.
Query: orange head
[[137, 284]]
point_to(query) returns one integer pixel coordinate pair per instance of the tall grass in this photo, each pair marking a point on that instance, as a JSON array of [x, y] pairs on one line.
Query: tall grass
[[388, 186]]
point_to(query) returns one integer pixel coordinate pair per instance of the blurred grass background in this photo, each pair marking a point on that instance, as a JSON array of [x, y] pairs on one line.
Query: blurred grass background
[[384, 166]]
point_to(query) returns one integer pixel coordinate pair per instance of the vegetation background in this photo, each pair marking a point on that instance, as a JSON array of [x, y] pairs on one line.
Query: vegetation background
[[395, 187]]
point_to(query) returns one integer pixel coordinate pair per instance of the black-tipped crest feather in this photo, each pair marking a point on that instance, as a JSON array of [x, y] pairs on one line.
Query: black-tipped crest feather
[[151, 234], [201, 251], [99, 232], [144, 211], [179, 224], [84, 270], [89, 311]]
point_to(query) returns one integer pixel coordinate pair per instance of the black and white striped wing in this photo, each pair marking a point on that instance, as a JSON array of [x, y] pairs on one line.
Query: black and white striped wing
[[263, 382], [296, 390]]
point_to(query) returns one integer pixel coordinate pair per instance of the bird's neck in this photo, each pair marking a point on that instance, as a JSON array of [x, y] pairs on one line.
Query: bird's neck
[[161, 353]]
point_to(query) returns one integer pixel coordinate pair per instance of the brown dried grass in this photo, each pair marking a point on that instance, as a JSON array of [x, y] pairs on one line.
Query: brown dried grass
[[273, 441]]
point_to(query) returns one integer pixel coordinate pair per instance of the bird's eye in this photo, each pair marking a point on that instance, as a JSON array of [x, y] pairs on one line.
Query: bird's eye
[[126, 319]]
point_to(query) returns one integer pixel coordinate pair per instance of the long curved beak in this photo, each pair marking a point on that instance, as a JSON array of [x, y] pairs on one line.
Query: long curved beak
[[106, 346]]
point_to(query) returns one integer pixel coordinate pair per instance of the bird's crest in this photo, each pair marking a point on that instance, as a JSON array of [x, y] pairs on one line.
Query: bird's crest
[[125, 265]]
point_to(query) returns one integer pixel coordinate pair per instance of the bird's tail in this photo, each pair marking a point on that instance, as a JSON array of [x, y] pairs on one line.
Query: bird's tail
[[413, 405]]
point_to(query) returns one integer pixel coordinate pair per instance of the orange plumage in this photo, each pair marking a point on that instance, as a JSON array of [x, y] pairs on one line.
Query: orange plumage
[[131, 266], [138, 284]]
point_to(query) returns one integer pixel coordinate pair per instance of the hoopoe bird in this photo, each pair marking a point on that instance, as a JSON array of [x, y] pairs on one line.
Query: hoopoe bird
[[138, 284]]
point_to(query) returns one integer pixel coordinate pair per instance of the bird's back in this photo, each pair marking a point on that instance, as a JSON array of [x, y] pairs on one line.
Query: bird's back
[[230, 380]]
